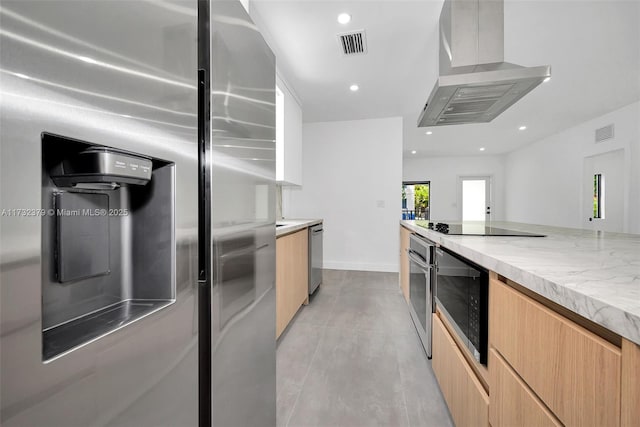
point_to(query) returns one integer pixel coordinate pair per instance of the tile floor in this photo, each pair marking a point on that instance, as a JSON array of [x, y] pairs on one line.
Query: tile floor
[[352, 358]]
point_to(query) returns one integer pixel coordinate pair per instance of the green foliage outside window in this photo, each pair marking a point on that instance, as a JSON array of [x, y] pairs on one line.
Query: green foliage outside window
[[421, 193], [597, 194]]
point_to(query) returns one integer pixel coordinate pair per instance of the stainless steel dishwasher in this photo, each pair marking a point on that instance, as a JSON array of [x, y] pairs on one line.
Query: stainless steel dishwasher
[[315, 257]]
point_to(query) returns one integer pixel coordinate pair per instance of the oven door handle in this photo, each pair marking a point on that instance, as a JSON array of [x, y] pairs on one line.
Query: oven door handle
[[419, 261]]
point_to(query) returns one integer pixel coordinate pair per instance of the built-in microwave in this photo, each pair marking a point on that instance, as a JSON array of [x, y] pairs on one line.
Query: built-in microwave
[[462, 296]]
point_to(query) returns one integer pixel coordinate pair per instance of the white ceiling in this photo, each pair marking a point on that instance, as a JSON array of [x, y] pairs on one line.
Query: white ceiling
[[593, 48]]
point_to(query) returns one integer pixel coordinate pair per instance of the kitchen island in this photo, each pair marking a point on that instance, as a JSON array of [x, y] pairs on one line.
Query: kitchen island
[[564, 329], [592, 273]]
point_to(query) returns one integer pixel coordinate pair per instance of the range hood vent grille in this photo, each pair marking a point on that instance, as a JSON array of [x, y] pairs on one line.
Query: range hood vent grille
[[474, 106], [353, 43], [604, 133], [493, 92]]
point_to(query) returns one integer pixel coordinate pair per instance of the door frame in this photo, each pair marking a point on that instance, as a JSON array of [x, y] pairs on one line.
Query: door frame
[[626, 185], [488, 191]]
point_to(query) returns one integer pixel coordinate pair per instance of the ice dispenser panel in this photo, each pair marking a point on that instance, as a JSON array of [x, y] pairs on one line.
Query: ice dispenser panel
[[82, 248], [102, 165], [108, 240]]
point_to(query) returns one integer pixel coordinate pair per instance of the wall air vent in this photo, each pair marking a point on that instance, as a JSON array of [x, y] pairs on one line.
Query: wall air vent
[[604, 133], [353, 43]]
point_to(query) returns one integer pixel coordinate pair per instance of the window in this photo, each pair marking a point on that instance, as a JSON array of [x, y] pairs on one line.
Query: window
[[415, 199], [598, 196]]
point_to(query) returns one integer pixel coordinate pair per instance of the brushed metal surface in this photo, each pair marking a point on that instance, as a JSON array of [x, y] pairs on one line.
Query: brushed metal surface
[[242, 103], [315, 257], [120, 74], [475, 84], [421, 286], [471, 33]]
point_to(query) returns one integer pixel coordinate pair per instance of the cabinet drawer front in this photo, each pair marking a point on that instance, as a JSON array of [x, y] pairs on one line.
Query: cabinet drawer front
[[292, 275], [573, 371], [467, 400], [512, 402], [630, 384]]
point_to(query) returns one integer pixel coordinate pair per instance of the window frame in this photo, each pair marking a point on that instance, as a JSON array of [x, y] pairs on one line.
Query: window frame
[[598, 196], [414, 183]]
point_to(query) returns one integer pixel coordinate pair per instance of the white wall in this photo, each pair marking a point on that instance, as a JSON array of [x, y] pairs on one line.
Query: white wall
[[544, 179], [444, 173], [352, 178]]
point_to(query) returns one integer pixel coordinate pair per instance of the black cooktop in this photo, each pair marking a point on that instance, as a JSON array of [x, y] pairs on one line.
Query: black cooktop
[[472, 229]]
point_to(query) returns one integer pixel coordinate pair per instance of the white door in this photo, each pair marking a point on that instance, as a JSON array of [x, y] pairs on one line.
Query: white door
[[476, 198], [603, 189]]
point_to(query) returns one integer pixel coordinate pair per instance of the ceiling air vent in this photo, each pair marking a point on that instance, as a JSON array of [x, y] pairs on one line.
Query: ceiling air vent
[[604, 133], [353, 43]]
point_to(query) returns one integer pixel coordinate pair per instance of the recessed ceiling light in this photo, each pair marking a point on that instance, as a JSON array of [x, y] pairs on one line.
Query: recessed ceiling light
[[413, 152], [482, 148], [522, 127], [344, 18], [429, 132], [353, 88], [546, 80]]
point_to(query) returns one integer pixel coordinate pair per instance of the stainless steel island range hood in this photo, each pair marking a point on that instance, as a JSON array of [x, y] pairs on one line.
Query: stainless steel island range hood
[[475, 85]]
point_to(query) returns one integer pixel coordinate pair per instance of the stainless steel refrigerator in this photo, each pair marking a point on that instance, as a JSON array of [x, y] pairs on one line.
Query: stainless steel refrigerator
[[237, 207], [137, 237]]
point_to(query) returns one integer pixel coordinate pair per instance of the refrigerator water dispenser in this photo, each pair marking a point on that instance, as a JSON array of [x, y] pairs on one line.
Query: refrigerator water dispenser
[[108, 240]]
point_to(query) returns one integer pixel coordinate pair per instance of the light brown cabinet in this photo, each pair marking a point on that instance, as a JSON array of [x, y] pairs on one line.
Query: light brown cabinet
[[573, 371], [292, 276], [630, 409], [467, 400], [404, 262], [512, 402], [547, 365]]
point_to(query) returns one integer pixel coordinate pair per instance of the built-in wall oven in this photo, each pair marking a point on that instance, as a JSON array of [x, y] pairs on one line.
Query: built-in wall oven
[[421, 264], [462, 296]]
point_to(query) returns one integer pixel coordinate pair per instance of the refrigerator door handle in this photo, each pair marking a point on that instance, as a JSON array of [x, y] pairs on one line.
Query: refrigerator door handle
[[204, 246], [203, 199]]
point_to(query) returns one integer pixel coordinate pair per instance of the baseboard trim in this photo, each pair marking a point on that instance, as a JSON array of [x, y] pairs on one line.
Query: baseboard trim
[[360, 266]]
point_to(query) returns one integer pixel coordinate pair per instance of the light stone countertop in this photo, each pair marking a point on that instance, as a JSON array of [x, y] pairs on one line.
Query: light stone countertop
[[293, 225], [594, 274]]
